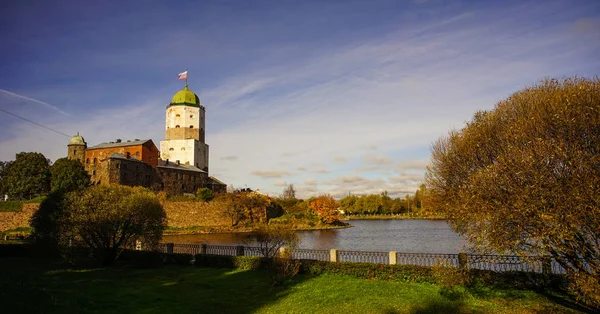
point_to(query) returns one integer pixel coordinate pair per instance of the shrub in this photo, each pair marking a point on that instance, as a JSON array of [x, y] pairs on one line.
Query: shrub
[[238, 262], [204, 194], [270, 239], [406, 273]]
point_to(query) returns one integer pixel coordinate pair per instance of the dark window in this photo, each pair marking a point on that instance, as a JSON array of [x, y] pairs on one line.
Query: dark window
[[191, 126], [177, 126], [95, 160], [87, 161], [94, 172]]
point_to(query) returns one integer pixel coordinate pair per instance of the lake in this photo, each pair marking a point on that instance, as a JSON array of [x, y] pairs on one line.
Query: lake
[[407, 236]]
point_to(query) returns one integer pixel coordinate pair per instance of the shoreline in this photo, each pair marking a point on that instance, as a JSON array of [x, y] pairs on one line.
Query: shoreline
[[392, 217], [217, 230]]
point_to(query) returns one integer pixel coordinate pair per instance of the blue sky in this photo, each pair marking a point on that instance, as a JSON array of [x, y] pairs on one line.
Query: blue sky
[[333, 96]]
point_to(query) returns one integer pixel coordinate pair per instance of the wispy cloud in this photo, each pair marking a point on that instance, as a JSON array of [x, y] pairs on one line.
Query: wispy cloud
[[43, 103], [270, 173]]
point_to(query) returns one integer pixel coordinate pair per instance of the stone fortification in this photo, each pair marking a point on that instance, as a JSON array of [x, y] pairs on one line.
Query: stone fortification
[[13, 220], [179, 215], [191, 214]]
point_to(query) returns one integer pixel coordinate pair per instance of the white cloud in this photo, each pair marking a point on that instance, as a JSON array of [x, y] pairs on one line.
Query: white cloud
[[377, 160], [270, 173]]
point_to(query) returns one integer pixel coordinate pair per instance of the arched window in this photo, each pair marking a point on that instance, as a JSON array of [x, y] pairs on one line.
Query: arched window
[[95, 160], [177, 116], [171, 149], [191, 116], [183, 148], [87, 161], [191, 126], [177, 126]]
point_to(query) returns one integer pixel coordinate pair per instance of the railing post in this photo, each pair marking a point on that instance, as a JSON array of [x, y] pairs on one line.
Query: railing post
[[463, 260], [170, 247], [239, 250], [203, 249], [546, 265], [333, 255], [393, 258]]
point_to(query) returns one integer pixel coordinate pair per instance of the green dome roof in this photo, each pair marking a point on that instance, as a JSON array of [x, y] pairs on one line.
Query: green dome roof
[[185, 97]]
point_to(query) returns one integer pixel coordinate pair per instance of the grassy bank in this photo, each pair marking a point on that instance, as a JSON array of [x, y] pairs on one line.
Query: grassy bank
[[290, 221], [398, 216], [42, 286]]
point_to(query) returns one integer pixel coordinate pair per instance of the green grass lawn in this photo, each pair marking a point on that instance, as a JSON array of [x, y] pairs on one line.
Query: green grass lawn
[[40, 286]]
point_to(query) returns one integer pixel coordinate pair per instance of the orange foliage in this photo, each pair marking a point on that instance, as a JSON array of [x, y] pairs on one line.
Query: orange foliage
[[325, 207]]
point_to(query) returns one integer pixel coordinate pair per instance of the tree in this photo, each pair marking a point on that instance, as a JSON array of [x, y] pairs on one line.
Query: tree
[[205, 194], [525, 177], [233, 207], [109, 217], [68, 175], [4, 165], [270, 239], [325, 207], [289, 193], [28, 176]]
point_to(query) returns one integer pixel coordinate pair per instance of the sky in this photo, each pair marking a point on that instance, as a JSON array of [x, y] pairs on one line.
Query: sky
[[335, 97]]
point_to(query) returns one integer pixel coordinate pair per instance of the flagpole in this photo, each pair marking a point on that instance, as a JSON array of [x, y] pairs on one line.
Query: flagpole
[[186, 77]]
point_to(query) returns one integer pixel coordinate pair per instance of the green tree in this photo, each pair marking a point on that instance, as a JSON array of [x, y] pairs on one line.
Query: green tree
[[205, 194], [4, 165], [28, 176], [68, 175], [109, 217], [525, 177]]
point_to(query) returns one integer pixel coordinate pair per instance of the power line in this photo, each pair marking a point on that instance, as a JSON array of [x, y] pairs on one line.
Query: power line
[[25, 119]]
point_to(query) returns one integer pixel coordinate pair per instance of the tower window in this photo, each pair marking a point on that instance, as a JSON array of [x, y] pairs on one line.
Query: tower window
[[177, 116], [87, 161], [177, 126], [74, 152], [95, 160], [191, 126], [183, 148], [191, 116], [171, 149]]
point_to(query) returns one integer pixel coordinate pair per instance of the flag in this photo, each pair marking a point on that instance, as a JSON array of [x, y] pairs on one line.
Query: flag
[[183, 75]]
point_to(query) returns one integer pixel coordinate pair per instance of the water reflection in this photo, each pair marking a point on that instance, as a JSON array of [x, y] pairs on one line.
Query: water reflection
[[412, 236]]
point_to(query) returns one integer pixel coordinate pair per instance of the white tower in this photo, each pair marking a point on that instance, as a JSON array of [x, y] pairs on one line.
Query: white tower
[[184, 131]]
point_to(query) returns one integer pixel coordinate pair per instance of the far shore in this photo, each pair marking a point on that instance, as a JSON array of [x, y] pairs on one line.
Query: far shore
[[393, 217]]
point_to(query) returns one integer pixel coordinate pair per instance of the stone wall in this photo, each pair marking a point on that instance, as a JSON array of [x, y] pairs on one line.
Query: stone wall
[[12, 220], [190, 214], [179, 215]]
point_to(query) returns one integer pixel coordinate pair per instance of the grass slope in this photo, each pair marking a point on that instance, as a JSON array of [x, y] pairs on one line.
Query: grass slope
[[39, 286]]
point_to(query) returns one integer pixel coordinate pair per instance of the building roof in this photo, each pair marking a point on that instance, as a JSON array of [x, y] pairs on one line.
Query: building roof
[[185, 97], [174, 165], [120, 144], [215, 181], [121, 156], [77, 140]]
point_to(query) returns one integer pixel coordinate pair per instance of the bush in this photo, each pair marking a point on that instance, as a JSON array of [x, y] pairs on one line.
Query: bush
[[406, 273], [204, 194], [270, 239], [238, 262]]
